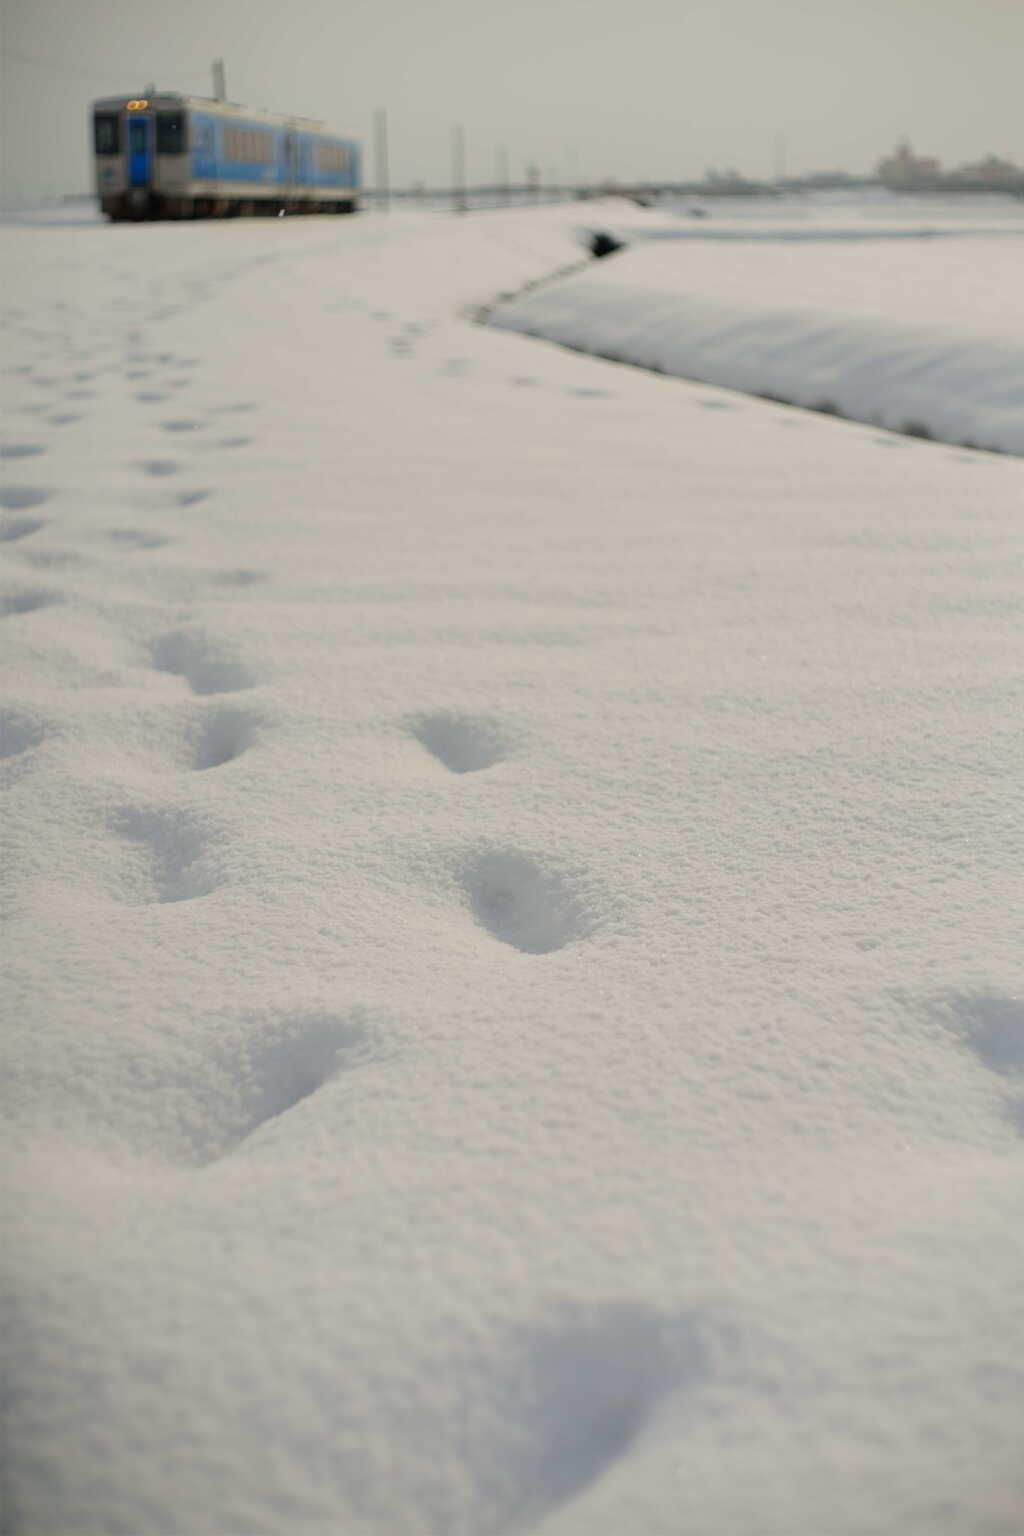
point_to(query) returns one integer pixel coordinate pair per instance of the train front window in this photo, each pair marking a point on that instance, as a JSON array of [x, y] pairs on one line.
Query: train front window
[[170, 133], [107, 133]]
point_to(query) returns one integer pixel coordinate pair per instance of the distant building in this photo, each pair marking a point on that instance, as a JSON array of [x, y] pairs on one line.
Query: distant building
[[991, 171], [903, 170]]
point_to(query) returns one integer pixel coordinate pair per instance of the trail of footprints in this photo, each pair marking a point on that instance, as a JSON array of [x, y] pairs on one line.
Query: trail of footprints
[[581, 1384], [169, 372]]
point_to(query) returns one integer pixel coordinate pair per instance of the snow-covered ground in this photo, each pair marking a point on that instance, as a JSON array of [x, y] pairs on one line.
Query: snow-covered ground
[[910, 319], [512, 881]]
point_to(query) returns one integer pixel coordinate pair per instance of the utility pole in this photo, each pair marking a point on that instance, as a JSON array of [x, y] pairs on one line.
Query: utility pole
[[380, 155], [220, 90], [458, 168]]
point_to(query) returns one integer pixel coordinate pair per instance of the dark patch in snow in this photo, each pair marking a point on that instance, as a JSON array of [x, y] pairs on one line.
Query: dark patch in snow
[[19, 528], [174, 848], [278, 1072], [239, 578], [463, 743], [206, 666], [223, 735], [137, 538], [12, 603], [576, 1393], [18, 732], [160, 467], [524, 903], [993, 1027], [21, 450]]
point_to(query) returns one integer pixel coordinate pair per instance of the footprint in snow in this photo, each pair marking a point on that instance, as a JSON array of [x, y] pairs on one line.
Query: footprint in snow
[[240, 577], [137, 538], [281, 1066], [577, 1389], [21, 450], [463, 743], [13, 528], [525, 903], [15, 603], [206, 666], [173, 863], [190, 498], [161, 467], [184, 425], [18, 732], [222, 735], [991, 1024], [18, 498]]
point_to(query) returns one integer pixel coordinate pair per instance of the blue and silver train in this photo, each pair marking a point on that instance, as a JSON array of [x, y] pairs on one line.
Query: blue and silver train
[[166, 156]]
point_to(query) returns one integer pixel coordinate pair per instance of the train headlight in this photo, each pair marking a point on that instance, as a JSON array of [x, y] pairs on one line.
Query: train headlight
[[137, 106]]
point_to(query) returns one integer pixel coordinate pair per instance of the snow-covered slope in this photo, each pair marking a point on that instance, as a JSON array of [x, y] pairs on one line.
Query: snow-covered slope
[[511, 874], [916, 327]]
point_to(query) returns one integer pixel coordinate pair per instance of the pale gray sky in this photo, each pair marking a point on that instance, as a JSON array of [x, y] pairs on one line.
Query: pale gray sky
[[625, 88]]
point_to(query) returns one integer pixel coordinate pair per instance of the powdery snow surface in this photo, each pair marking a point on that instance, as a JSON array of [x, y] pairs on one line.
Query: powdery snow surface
[[514, 1017], [916, 325]]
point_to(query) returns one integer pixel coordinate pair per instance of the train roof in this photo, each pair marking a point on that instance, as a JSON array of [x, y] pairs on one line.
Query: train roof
[[169, 100]]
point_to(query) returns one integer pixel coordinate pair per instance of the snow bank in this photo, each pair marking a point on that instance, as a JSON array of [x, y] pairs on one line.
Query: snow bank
[[511, 873], [917, 329]]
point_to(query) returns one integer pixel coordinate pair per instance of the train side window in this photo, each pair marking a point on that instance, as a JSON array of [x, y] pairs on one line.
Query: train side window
[[170, 133], [106, 133]]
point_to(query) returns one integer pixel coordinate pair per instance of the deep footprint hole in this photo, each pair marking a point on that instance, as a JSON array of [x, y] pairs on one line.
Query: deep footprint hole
[[221, 737], [525, 903], [577, 1392], [463, 743], [206, 666]]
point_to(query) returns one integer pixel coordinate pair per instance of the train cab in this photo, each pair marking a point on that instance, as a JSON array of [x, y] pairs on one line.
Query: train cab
[[140, 144]]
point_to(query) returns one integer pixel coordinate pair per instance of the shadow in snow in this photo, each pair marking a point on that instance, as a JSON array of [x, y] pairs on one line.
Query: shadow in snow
[[463, 743], [206, 666], [574, 1395], [523, 903]]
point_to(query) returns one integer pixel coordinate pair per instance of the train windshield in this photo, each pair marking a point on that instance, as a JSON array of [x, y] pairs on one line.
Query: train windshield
[[170, 133], [107, 133]]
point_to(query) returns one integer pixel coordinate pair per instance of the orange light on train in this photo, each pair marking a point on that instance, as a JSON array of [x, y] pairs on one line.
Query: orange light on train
[[137, 106]]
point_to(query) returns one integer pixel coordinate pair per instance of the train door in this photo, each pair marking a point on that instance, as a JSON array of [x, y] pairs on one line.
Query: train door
[[140, 150], [291, 160]]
